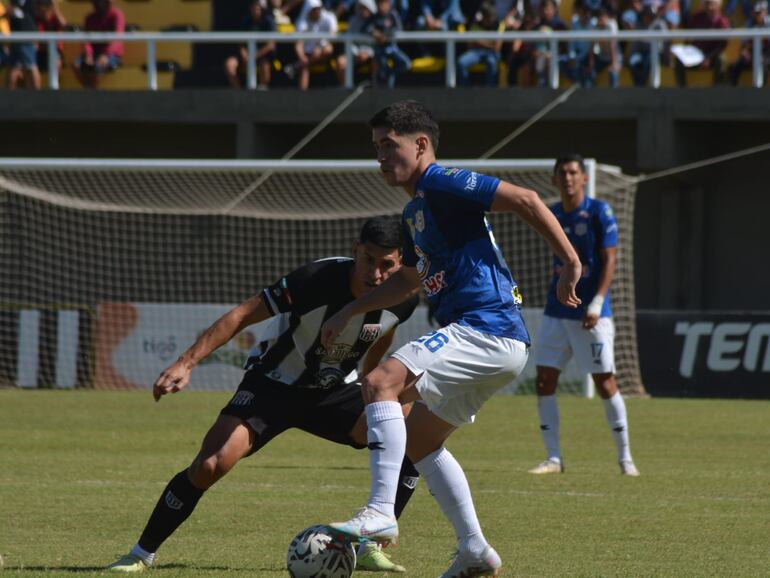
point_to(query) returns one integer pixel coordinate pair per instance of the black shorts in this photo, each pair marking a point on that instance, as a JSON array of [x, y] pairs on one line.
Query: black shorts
[[270, 408]]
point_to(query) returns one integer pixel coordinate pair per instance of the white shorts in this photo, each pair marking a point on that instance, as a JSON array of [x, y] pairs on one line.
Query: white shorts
[[561, 339], [461, 369]]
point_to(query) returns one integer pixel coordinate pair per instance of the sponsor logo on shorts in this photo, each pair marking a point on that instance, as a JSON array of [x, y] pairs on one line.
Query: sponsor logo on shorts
[[242, 398], [370, 332], [173, 502]]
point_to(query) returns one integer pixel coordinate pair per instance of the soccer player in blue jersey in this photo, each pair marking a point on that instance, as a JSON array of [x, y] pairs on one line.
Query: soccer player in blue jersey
[[481, 345], [586, 333]]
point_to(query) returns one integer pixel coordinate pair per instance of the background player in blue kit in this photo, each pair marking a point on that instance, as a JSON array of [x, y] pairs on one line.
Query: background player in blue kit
[[481, 345], [291, 381], [586, 332]]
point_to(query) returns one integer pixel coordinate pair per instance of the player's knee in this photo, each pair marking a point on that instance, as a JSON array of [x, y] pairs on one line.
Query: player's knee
[[546, 382], [205, 471], [605, 383]]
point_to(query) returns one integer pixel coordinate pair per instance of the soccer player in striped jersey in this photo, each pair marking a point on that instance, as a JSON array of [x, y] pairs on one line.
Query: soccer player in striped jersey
[[586, 333], [482, 344], [291, 380]]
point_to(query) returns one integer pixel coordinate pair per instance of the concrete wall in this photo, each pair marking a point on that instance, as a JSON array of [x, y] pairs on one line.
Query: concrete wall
[[699, 240]]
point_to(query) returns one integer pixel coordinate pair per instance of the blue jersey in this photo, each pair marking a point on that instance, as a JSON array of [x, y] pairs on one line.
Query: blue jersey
[[590, 228], [449, 241]]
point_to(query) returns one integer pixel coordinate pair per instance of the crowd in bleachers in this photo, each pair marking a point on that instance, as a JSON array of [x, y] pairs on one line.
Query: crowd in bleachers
[[389, 63]]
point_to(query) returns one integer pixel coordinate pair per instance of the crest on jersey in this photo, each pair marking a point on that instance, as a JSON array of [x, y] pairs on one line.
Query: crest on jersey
[[419, 221], [583, 214], [370, 332]]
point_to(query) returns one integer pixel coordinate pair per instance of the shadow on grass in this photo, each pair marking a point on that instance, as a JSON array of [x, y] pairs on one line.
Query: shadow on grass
[[155, 568]]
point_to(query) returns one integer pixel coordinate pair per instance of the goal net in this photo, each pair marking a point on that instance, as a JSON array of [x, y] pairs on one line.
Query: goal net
[[112, 268]]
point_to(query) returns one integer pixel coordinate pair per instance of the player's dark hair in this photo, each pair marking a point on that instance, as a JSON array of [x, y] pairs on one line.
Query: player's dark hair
[[383, 232], [569, 158], [408, 117]]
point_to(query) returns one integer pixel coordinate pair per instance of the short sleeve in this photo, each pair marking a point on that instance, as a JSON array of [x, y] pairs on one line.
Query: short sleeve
[[470, 186], [608, 233], [290, 292]]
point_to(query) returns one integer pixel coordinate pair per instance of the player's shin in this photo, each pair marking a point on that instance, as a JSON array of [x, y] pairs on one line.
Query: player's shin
[[448, 485], [387, 447], [407, 482], [175, 505]]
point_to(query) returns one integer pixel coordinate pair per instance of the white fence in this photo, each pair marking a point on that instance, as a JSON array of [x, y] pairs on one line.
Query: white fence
[[450, 39]]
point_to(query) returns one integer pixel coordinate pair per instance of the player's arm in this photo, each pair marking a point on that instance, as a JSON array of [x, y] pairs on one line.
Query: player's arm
[[176, 376], [609, 257], [528, 206], [377, 351], [397, 288]]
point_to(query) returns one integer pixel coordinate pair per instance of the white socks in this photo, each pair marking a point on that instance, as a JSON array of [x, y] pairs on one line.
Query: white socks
[[387, 445], [548, 410], [615, 410], [447, 484], [139, 552]]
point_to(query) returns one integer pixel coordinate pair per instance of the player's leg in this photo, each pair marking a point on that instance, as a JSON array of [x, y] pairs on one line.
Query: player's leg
[[617, 419], [453, 389], [546, 382], [228, 440], [552, 353], [339, 416], [595, 354], [384, 390]]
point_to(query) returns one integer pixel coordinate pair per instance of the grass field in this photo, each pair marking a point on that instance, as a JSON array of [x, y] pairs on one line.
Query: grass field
[[81, 472]]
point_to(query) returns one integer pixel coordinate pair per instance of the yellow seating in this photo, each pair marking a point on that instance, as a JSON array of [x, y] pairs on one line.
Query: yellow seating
[[428, 64]]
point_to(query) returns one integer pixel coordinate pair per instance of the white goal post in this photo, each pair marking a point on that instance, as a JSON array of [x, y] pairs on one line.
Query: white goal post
[[115, 266]]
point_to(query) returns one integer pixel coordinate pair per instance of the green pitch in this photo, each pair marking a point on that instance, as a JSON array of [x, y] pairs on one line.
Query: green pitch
[[81, 472]]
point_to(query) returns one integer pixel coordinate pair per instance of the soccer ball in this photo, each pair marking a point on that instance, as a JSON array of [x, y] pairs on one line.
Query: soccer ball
[[320, 552]]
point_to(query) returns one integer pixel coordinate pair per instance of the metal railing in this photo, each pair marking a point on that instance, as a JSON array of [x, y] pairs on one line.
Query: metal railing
[[450, 39]]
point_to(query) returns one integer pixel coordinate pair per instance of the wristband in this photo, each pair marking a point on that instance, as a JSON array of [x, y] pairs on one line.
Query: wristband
[[595, 307]]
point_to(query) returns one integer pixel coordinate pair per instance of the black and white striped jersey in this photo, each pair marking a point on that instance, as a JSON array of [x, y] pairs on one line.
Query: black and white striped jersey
[[290, 350]]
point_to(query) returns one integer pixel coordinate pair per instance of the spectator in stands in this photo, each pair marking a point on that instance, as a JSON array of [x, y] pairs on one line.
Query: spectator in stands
[[48, 18], [22, 58], [759, 19], [100, 58], [520, 54], [482, 51], [639, 54], [630, 18], [710, 18], [389, 59], [440, 15], [358, 24], [311, 52], [580, 57], [606, 53], [260, 19]]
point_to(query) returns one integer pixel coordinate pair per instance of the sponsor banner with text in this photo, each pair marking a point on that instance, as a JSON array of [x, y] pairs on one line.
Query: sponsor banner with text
[[704, 354]]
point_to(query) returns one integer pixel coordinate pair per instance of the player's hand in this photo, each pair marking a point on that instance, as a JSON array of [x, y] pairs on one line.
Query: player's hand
[[173, 379], [590, 321], [568, 280], [333, 326]]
